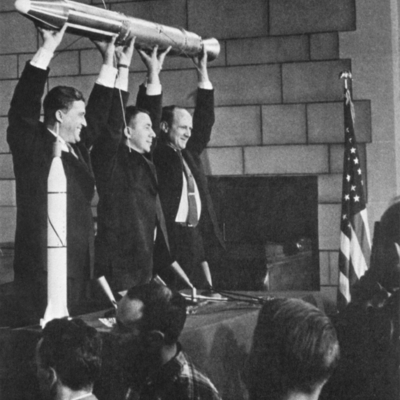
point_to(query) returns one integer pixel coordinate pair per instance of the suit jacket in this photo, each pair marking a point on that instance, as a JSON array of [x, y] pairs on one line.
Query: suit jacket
[[170, 171], [31, 147], [127, 187]]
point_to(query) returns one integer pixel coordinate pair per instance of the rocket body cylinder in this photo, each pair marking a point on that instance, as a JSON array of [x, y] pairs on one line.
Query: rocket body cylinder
[[56, 240], [96, 23]]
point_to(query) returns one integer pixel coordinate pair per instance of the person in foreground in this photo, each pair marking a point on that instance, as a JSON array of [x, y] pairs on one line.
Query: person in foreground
[[150, 319], [68, 359], [294, 352], [368, 327]]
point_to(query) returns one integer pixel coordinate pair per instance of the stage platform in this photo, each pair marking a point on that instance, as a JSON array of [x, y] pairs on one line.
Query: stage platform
[[217, 337]]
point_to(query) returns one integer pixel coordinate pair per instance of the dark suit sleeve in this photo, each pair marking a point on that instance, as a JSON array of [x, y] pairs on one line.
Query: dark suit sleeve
[[97, 113], [152, 104], [203, 121], [24, 113], [111, 134]]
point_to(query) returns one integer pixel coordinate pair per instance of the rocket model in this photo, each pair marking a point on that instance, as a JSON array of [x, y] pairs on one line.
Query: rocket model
[[107, 290], [97, 23], [56, 240]]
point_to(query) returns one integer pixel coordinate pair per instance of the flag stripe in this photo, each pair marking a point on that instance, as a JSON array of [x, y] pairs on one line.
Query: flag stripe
[[361, 229], [357, 256], [344, 287], [345, 245]]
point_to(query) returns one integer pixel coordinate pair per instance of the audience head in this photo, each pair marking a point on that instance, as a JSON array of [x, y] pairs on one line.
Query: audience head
[[68, 355], [176, 126], [153, 313], [139, 132], [295, 350], [386, 267], [64, 110]]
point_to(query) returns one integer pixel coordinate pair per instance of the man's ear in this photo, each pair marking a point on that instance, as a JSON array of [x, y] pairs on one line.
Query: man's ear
[[397, 250], [398, 253], [59, 116], [164, 126], [50, 376], [127, 132], [155, 339]]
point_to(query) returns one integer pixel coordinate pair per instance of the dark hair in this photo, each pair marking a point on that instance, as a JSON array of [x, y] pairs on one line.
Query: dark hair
[[163, 309], [60, 98], [386, 265], [132, 111], [73, 349], [168, 113], [295, 348]]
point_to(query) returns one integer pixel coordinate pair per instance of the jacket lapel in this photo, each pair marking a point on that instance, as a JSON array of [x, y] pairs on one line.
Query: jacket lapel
[[152, 169], [82, 161]]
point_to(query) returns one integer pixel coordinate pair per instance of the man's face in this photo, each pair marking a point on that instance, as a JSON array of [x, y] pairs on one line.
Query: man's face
[[181, 128], [135, 354], [131, 338], [72, 122], [141, 133], [129, 316]]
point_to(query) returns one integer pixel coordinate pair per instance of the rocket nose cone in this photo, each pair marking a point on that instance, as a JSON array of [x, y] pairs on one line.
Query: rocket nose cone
[[23, 6]]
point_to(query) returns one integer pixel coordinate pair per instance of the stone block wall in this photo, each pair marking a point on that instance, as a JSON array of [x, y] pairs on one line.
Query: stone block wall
[[278, 96]]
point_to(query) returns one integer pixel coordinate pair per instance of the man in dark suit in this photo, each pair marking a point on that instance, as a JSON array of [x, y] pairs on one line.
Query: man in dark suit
[[31, 143], [184, 192], [130, 218]]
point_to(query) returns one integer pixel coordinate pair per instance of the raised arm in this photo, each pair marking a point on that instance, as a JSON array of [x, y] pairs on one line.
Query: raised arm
[[149, 95], [111, 133], [99, 103], [24, 113], [203, 117]]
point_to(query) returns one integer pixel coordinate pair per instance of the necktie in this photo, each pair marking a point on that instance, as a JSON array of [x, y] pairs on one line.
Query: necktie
[[193, 219]]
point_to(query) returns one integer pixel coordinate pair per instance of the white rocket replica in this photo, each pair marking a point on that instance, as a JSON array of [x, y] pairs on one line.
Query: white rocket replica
[[97, 23], [56, 240]]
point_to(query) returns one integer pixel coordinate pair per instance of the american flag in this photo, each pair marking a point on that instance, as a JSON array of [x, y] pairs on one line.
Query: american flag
[[355, 240]]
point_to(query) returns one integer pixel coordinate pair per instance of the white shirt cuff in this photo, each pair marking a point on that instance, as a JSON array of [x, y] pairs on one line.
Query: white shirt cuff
[[42, 58], [122, 79], [206, 85], [153, 89], [107, 76]]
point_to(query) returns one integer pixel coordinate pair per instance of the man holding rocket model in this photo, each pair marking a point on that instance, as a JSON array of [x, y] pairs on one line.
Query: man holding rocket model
[[131, 222], [75, 126]]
